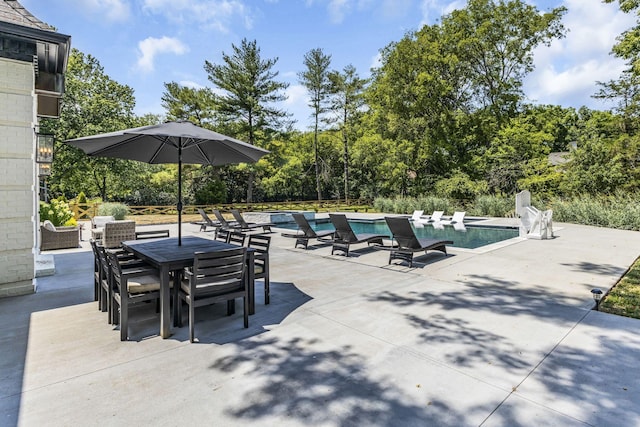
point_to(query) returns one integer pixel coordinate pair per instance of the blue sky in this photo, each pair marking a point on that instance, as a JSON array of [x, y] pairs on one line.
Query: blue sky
[[145, 43]]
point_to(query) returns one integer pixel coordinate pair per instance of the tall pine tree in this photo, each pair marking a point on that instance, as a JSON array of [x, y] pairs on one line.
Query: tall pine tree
[[249, 93]]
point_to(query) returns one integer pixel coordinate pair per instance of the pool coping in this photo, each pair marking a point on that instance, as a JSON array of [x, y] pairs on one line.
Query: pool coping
[[479, 222]]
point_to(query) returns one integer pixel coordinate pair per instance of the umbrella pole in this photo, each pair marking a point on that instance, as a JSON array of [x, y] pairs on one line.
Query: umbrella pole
[[179, 193]]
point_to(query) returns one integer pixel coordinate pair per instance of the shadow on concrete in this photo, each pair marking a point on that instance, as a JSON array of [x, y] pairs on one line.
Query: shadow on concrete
[[213, 326], [601, 384], [299, 381], [482, 294], [422, 260], [71, 285], [603, 269]]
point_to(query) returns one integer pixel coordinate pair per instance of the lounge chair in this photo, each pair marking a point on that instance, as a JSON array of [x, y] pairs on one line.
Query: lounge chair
[[244, 225], [224, 224], [457, 218], [345, 236], [206, 221], [407, 243], [306, 232], [417, 216], [436, 216]]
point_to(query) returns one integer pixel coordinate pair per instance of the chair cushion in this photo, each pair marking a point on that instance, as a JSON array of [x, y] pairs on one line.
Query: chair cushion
[[258, 269], [100, 221], [96, 233], [143, 284], [204, 289], [49, 225]]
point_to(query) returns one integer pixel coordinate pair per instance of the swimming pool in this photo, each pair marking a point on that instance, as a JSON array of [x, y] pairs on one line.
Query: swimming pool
[[474, 236]]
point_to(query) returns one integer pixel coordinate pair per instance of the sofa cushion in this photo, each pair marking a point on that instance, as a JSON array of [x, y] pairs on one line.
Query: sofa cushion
[[100, 221]]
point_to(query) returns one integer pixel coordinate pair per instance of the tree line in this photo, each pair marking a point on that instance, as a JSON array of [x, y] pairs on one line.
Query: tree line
[[444, 113]]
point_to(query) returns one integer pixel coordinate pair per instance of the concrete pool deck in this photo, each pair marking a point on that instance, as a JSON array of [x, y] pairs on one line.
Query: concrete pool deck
[[504, 337]]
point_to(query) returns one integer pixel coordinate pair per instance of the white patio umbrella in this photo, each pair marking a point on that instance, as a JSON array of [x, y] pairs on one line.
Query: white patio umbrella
[[171, 142]]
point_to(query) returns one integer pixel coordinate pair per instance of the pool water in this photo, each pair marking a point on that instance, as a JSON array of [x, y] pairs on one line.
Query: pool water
[[473, 236]]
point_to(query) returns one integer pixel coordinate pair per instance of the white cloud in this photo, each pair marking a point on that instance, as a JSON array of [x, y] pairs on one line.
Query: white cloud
[[394, 9], [297, 104], [151, 46], [209, 14], [433, 10], [296, 95], [376, 61], [338, 9], [567, 71], [111, 10], [190, 84]]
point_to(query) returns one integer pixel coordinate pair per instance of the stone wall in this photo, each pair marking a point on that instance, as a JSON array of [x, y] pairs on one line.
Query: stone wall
[[18, 185]]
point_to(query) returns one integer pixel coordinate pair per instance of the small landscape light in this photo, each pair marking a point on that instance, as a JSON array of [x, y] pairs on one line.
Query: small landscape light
[[597, 296]]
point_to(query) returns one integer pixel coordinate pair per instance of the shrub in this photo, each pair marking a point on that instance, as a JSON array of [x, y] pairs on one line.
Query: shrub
[[81, 199], [116, 210], [57, 212], [618, 211], [433, 203], [383, 204], [497, 206], [406, 205]]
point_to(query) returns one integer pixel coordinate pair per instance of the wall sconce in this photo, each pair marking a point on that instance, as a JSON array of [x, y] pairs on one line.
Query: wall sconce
[[44, 153], [44, 169]]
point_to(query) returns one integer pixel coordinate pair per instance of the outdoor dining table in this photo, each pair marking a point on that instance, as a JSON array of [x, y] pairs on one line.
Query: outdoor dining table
[[166, 256]]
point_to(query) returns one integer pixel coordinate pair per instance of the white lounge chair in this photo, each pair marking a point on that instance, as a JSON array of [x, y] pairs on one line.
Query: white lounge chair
[[436, 216], [457, 218], [417, 216]]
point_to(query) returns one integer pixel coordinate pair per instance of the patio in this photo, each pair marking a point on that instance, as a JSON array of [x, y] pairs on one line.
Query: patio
[[492, 338]]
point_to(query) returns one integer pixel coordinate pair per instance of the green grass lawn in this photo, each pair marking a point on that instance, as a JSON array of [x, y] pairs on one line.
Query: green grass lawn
[[624, 297]]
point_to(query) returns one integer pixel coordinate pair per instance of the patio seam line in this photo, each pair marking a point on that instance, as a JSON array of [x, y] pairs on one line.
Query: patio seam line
[[533, 402], [545, 357]]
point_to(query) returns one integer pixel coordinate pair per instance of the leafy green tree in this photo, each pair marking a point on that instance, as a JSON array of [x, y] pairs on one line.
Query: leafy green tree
[[625, 92], [628, 46], [250, 93], [495, 40], [605, 159], [347, 101], [316, 79], [92, 103], [414, 95], [511, 150]]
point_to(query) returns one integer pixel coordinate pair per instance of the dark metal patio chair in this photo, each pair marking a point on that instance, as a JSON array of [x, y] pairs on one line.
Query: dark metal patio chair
[[261, 244], [407, 243], [306, 232], [345, 236], [215, 277], [132, 285], [244, 225], [206, 221]]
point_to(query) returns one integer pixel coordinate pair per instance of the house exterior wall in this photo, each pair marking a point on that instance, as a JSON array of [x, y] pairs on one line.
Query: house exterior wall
[[18, 182]]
